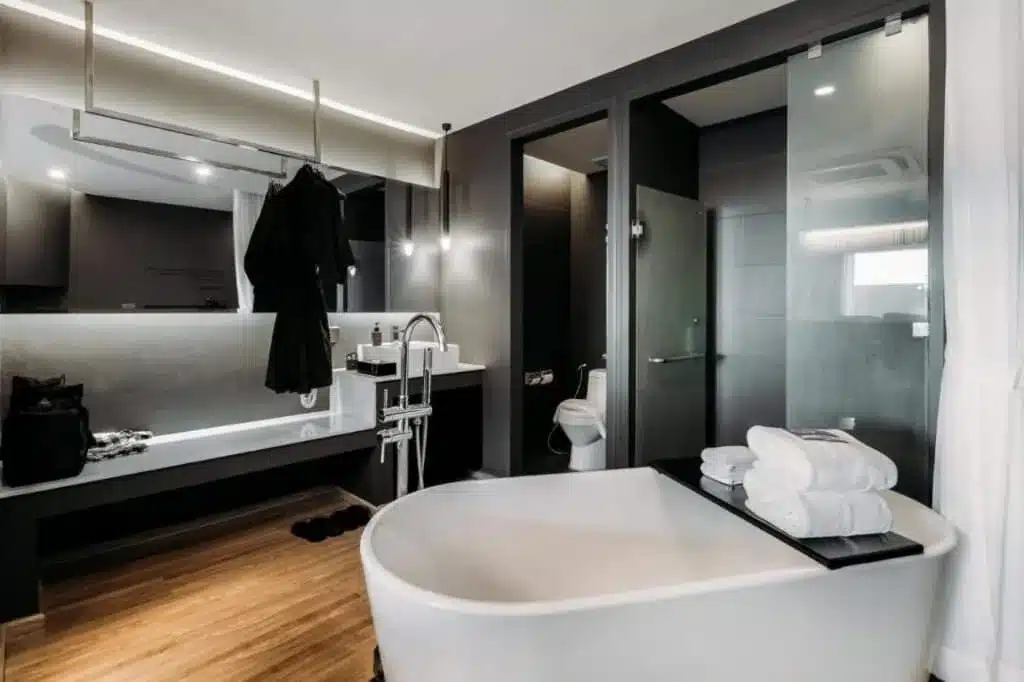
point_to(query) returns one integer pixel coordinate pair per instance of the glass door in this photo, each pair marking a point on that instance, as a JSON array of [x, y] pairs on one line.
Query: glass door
[[671, 327], [857, 330]]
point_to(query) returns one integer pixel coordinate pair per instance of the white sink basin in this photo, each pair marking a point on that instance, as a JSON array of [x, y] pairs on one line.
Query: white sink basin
[[446, 361]]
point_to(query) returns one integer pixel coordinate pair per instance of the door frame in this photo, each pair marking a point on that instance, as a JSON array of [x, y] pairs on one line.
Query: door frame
[[517, 141]]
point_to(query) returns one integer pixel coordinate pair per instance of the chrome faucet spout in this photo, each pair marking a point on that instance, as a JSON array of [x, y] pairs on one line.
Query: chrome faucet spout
[[403, 397]]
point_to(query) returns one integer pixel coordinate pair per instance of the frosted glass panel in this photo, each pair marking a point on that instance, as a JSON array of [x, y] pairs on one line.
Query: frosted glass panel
[[857, 234]]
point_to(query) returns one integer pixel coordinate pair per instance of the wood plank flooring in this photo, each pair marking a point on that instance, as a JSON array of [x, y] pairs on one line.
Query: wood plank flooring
[[257, 605]]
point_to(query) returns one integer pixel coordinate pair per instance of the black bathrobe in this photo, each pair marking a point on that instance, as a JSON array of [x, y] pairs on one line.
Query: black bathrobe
[[298, 243]]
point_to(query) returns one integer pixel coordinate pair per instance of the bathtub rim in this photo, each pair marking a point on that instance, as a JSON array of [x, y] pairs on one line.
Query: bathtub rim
[[447, 602]]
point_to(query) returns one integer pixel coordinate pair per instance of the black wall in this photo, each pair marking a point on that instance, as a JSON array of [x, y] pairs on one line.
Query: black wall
[[148, 255], [743, 184], [364, 214], [481, 289], [664, 150], [547, 329], [587, 295]]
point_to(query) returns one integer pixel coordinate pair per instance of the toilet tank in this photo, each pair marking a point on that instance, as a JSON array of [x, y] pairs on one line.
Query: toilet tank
[[596, 389]]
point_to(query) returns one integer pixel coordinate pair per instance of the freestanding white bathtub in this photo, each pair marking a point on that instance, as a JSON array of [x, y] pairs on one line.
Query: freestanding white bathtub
[[625, 575]]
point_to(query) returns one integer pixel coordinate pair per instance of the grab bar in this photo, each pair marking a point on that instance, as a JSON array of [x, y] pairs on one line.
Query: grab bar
[[676, 358]]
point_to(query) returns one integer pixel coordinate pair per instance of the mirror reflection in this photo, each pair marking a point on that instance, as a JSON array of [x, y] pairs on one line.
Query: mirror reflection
[[92, 228]]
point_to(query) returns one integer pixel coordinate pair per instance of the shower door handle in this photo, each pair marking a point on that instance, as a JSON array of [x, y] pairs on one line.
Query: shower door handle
[[675, 358]]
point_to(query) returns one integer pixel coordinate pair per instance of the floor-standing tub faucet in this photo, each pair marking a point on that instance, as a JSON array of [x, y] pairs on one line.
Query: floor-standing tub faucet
[[411, 421]]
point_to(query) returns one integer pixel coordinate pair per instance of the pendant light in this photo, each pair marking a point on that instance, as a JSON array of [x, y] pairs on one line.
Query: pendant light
[[446, 188], [407, 244]]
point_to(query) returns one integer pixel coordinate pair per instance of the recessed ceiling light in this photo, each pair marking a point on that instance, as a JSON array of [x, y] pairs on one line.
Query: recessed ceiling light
[[57, 174], [203, 172], [408, 247], [824, 90], [170, 53]]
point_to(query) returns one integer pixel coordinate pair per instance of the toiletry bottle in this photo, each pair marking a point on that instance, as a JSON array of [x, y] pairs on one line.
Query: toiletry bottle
[[375, 335], [396, 333]]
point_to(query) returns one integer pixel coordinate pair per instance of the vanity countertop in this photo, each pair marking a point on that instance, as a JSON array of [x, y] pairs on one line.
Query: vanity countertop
[[461, 369], [191, 447]]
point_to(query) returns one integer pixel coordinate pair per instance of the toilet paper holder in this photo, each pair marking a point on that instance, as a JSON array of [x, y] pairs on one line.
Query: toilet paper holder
[[542, 377]]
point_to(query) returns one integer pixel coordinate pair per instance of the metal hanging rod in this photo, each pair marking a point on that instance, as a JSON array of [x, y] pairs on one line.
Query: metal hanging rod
[[92, 110]]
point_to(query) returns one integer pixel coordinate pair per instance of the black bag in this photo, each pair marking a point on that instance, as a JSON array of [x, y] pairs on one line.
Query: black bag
[[46, 433]]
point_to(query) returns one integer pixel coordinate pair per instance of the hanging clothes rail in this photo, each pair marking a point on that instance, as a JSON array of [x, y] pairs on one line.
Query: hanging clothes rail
[[90, 78]]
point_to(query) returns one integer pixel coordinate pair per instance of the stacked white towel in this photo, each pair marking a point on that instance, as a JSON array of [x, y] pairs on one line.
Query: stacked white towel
[[727, 465], [818, 483]]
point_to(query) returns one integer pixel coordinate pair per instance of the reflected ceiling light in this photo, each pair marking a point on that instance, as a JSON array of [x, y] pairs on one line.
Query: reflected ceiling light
[[864, 237], [203, 172], [206, 64], [193, 159], [824, 90], [57, 174]]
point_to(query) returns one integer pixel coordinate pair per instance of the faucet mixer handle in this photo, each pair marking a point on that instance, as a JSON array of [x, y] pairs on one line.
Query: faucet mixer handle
[[428, 374]]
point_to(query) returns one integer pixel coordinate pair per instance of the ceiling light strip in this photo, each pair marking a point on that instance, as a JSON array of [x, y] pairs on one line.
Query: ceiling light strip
[[208, 65]]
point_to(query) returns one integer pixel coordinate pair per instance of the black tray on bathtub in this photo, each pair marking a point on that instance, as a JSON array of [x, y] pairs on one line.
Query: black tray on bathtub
[[830, 552]]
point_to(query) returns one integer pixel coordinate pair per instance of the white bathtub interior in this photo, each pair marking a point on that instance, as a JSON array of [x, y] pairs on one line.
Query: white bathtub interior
[[589, 535]]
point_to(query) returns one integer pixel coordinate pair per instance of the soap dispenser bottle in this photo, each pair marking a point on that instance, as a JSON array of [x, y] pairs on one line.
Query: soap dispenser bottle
[[375, 335]]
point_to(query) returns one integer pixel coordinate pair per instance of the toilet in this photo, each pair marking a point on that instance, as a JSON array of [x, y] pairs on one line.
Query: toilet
[[582, 421]]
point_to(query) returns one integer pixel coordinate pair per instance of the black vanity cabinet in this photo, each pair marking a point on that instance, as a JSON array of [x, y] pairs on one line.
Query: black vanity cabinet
[[454, 436]]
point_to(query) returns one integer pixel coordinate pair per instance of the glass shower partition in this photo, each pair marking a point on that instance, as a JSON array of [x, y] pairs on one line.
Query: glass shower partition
[[857, 233]]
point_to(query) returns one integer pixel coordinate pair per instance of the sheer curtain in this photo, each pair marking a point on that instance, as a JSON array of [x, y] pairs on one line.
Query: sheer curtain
[[246, 210], [979, 475]]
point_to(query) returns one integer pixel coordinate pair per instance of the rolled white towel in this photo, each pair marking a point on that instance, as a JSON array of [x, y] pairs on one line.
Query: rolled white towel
[[816, 514], [822, 460], [727, 474], [729, 455]]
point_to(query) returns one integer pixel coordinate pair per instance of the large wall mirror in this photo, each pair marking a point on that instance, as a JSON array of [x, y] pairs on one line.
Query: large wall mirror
[[86, 227]]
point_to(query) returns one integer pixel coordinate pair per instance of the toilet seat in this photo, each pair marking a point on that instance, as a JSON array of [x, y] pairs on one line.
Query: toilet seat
[[577, 412]]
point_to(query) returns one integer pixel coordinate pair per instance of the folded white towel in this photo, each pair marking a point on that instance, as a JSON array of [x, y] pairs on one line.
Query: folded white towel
[[729, 455], [816, 514], [822, 460], [727, 474]]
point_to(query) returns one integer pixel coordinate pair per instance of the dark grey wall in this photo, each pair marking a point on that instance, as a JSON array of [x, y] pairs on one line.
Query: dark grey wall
[[34, 244], [481, 281], [547, 328], [663, 150], [413, 281], [365, 292], [743, 183], [589, 202], [148, 255]]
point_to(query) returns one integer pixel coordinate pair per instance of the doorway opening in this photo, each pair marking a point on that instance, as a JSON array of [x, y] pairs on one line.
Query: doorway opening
[[564, 237]]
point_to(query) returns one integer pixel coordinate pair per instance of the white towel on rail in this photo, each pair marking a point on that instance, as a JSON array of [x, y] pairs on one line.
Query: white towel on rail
[[821, 460]]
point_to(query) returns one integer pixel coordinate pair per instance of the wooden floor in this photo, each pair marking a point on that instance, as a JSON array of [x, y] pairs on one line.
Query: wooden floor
[[258, 605]]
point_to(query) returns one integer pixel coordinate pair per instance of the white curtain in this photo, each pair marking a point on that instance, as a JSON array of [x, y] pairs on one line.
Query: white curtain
[[246, 210], [979, 474]]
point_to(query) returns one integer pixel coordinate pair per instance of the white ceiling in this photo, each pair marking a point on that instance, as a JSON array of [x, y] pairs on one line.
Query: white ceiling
[[761, 91], [574, 149], [419, 62]]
